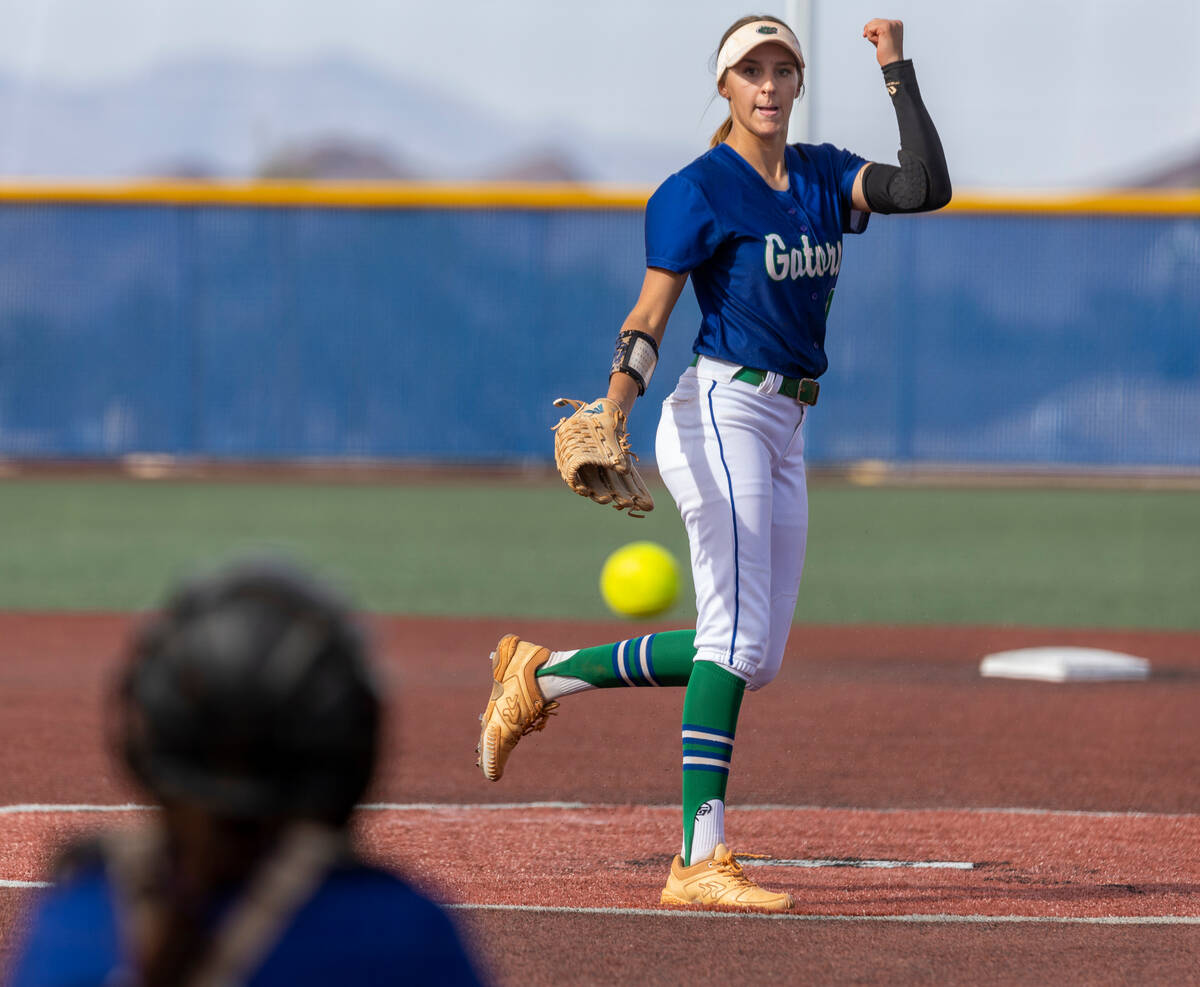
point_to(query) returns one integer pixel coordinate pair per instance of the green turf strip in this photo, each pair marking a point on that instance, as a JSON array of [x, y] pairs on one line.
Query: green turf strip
[[1044, 557]]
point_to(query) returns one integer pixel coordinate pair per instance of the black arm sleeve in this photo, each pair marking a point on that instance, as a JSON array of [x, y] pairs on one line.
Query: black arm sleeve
[[922, 182]]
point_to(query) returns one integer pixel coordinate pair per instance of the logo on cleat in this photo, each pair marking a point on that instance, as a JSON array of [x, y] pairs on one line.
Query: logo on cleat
[[710, 889], [512, 710]]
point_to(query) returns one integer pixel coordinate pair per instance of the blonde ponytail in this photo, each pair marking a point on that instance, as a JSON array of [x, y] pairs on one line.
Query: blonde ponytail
[[721, 133]]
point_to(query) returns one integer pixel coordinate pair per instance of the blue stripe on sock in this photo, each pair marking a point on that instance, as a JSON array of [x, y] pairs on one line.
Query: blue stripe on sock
[[620, 667], [705, 767], [649, 661], [626, 662], [632, 669], [702, 742], [706, 729], [733, 511], [701, 747]]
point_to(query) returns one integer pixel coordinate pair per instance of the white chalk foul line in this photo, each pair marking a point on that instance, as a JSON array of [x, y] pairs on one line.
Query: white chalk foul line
[[39, 807], [866, 864], [36, 808], [480, 806], [789, 917], [688, 913], [47, 807], [767, 807]]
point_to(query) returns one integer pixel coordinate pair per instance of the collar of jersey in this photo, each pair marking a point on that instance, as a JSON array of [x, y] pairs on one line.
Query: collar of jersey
[[790, 157]]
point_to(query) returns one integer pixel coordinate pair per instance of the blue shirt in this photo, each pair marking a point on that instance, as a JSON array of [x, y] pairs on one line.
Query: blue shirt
[[763, 263], [362, 926]]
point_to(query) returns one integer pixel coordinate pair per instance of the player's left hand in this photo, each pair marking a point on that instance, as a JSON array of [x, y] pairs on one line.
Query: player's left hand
[[591, 450], [888, 39]]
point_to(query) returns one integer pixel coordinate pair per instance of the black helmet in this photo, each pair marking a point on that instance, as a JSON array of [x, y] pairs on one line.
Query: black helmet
[[250, 695]]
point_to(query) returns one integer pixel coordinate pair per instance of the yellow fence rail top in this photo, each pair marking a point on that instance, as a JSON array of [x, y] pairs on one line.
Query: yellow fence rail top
[[1117, 202], [335, 195], [551, 196]]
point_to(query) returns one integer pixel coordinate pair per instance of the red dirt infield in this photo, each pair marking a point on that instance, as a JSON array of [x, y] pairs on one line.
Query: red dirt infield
[[1068, 811]]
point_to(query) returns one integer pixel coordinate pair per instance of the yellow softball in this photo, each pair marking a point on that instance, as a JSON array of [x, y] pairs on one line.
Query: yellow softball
[[640, 579]]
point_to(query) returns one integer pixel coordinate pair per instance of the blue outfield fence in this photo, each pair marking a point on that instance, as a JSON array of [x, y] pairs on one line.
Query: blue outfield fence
[[242, 331]]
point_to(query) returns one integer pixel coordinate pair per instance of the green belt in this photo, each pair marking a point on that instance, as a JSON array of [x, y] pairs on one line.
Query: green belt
[[800, 389]]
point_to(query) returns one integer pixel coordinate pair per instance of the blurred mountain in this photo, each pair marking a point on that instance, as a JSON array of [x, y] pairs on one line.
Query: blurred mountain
[[189, 168], [1184, 172], [226, 116], [539, 165], [333, 158]]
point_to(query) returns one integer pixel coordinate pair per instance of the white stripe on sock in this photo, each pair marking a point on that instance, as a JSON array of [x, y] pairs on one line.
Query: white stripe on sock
[[717, 738], [712, 761], [644, 659], [622, 654]]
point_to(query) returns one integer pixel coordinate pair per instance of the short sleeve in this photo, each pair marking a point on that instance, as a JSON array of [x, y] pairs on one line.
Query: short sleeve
[[856, 221], [846, 167], [682, 231]]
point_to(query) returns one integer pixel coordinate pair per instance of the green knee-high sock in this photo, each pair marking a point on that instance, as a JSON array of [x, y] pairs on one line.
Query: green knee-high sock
[[710, 713], [657, 659]]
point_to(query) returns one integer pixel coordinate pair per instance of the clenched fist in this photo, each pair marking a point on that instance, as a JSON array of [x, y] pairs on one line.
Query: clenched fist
[[888, 39]]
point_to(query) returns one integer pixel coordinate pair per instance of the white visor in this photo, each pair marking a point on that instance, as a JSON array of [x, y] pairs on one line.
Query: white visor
[[748, 37]]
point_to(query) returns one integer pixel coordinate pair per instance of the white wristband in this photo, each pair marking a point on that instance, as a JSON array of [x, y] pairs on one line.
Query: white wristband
[[637, 356]]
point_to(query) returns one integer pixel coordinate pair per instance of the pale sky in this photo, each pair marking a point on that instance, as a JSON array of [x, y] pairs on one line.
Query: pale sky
[[1026, 93]]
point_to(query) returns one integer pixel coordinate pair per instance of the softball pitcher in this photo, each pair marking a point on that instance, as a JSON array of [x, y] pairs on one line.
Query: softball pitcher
[[758, 225]]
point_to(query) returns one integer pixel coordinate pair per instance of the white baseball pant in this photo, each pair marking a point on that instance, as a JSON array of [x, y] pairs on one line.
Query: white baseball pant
[[732, 456]]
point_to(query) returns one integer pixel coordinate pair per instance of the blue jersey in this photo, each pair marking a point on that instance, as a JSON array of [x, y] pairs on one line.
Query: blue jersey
[[361, 926], [763, 263]]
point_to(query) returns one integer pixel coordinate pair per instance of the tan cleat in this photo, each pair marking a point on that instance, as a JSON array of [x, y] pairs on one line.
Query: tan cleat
[[719, 880], [516, 706]]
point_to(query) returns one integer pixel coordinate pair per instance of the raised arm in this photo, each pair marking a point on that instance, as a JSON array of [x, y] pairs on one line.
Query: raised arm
[[922, 182]]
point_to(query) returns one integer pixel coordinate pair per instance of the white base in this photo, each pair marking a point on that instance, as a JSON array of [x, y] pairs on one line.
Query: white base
[[1064, 664]]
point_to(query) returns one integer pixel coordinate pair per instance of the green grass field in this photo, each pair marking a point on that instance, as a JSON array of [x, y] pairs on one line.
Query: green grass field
[[1052, 557]]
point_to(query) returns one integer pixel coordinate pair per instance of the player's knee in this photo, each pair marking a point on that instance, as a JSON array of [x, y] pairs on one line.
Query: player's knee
[[763, 675]]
